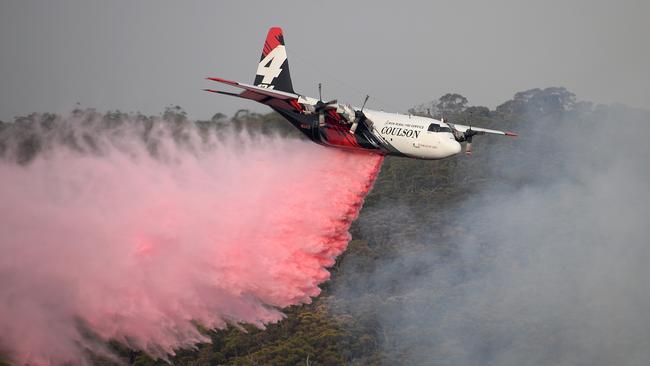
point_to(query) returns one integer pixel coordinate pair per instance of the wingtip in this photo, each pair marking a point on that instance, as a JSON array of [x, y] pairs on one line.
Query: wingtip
[[511, 134]]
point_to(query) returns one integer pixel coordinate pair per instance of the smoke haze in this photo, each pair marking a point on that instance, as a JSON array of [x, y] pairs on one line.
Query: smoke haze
[[132, 230], [546, 264]]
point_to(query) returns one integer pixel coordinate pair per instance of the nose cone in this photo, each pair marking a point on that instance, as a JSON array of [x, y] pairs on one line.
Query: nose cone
[[451, 147]]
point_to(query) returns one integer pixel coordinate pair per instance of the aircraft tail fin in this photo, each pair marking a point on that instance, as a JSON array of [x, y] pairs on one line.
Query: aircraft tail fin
[[273, 69]]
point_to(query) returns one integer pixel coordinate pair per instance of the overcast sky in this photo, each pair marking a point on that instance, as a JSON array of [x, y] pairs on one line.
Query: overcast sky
[[144, 55]]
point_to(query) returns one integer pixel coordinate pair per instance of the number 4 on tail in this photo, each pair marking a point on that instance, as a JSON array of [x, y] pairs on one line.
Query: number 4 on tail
[[269, 67]]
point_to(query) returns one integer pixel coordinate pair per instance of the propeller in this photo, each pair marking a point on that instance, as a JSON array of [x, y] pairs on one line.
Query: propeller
[[321, 106], [468, 138], [465, 136]]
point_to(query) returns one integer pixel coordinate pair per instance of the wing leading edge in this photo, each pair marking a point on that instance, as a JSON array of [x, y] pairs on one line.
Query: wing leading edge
[[463, 128]]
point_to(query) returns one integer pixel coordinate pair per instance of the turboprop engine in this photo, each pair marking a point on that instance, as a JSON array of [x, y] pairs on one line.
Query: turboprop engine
[[464, 136]]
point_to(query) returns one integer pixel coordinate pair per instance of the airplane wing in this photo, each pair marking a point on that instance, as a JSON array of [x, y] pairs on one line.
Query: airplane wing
[[271, 97], [463, 128]]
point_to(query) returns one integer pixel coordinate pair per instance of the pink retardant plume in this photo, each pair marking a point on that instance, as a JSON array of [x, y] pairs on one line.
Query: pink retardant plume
[[138, 247]]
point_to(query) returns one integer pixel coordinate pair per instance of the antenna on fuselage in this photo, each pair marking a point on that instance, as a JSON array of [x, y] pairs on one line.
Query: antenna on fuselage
[[364, 102]]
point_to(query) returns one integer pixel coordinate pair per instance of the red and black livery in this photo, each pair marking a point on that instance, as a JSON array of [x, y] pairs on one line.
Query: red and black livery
[[319, 121]]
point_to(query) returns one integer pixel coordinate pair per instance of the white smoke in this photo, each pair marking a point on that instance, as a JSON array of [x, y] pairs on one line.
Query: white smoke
[[550, 265]]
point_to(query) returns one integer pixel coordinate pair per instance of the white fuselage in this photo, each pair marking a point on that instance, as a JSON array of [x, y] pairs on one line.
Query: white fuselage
[[412, 135]]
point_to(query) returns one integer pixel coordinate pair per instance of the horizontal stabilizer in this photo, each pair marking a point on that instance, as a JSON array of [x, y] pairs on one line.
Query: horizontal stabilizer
[[265, 95], [222, 92], [256, 89]]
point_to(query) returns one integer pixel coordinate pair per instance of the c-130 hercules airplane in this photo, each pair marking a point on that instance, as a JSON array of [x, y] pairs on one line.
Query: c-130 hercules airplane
[[344, 126]]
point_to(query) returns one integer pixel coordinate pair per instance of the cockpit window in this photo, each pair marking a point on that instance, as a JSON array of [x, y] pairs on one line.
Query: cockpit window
[[434, 128]]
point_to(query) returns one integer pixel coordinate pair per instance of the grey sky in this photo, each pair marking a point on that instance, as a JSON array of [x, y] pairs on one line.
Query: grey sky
[[144, 55]]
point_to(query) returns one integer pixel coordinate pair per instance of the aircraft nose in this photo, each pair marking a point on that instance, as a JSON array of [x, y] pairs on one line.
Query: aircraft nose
[[452, 147]]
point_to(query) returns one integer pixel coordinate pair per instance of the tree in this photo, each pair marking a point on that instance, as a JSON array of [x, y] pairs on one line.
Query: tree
[[451, 103], [218, 117], [448, 104], [539, 102]]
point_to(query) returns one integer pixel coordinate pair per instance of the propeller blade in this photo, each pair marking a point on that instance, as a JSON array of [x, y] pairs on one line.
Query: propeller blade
[[468, 145], [320, 106], [320, 95]]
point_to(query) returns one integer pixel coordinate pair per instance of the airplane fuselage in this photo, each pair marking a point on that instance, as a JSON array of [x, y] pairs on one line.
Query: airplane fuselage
[[344, 126], [383, 133], [414, 136]]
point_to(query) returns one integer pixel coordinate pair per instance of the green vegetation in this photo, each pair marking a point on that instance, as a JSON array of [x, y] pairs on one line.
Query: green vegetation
[[309, 335]]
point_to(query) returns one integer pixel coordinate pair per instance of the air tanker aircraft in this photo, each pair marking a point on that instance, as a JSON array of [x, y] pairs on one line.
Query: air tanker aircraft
[[344, 126]]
